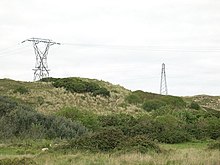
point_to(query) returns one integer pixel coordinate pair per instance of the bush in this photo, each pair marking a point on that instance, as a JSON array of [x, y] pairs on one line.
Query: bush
[[21, 90], [140, 144], [23, 121], [168, 129], [194, 105], [133, 99], [87, 118], [215, 145], [7, 105], [174, 101], [139, 96], [104, 140], [151, 101], [116, 120], [153, 105], [49, 79], [101, 91], [80, 86], [142, 125]]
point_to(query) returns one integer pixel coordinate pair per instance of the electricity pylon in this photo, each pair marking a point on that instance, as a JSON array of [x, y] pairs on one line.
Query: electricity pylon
[[41, 68], [163, 81]]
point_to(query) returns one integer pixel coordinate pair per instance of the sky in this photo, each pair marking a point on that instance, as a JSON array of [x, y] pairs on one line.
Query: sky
[[124, 42]]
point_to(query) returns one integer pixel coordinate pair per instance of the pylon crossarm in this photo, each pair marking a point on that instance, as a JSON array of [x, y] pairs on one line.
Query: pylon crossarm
[[41, 68]]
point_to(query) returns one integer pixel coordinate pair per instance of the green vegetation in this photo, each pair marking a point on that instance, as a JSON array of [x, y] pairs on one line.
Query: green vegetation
[[88, 119], [84, 121], [21, 90], [194, 105], [78, 85], [17, 161], [151, 101], [215, 145], [19, 121]]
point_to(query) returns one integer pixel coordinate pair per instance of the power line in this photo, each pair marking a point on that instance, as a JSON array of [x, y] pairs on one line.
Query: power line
[[147, 48], [14, 51]]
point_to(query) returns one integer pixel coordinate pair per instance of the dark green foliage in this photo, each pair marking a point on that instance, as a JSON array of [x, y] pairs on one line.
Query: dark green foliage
[[212, 112], [110, 139], [166, 128], [88, 119], [6, 105], [174, 101], [49, 79], [139, 96], [21, 90], [101, 91], [104, 140], [17, 161], [213, 127], [133, 99], [80, 86], [24, 122], [40, 100], [140, 144], [215, 145], [118, 120], [150, 105], [194, 105], [169, 129], [152, 101]]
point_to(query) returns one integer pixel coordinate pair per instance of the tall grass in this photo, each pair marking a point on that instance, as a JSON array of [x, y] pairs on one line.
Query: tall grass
[[177, 157]]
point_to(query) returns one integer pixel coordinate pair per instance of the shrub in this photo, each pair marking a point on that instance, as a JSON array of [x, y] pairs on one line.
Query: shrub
[[21, 90], [153, 105], [87, 118], [173, 101], [23, 121], [117, 120], [215, 145], [133, 99], [139, 96], [142, 125], [49, 79], [104, 140], [40, 100], [213, 127], [80, 86], [7, 105], [101, 91], [151, 101], [168, 129], [194, 105], [140, 144]]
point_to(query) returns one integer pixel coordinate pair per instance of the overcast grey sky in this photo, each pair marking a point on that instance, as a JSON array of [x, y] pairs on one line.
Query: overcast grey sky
[[137, 36]]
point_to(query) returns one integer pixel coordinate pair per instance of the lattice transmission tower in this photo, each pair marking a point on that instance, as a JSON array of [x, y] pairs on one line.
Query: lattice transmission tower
[[163, 81], [41, 67]]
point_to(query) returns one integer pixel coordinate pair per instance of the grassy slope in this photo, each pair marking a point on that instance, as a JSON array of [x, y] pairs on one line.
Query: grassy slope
[[212, 102], [48, 99]]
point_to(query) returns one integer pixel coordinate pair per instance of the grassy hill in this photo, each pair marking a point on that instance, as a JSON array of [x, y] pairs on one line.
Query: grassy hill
[[49, 99], [79, 115]]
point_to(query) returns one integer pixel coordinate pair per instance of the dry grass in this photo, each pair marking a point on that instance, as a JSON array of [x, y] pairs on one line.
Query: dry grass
[[53, 99], [178, 157], [212, 102]]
